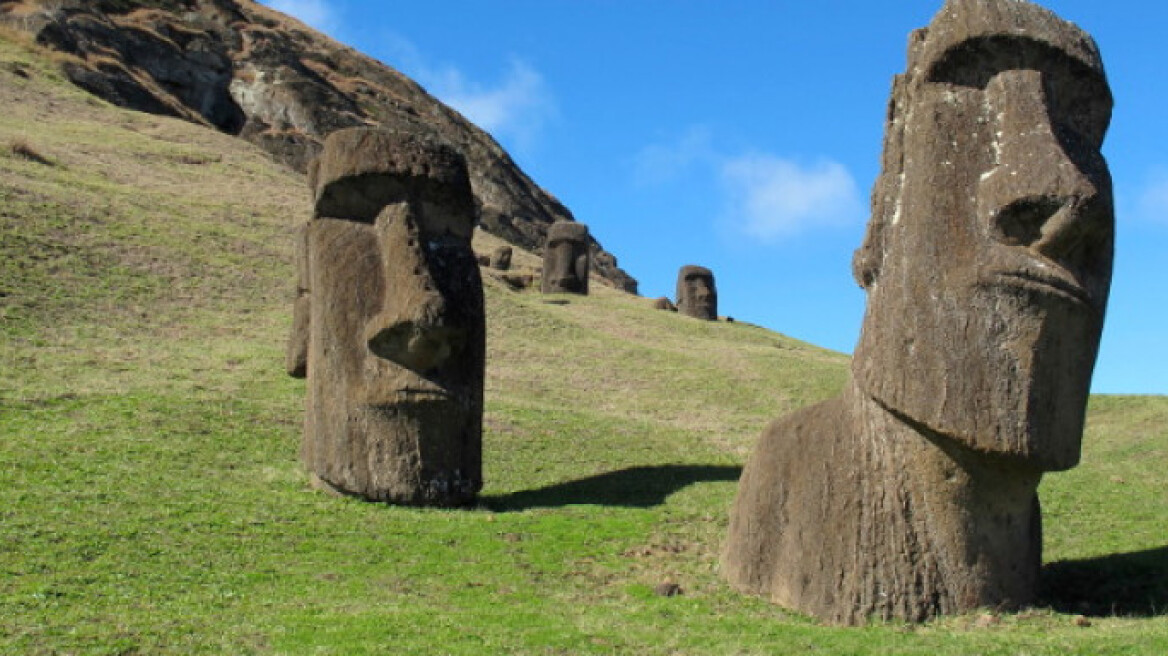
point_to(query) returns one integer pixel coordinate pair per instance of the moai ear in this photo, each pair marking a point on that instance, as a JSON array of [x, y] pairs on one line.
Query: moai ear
[[582, 267], [868, 259], [296, 353], [313, 175]]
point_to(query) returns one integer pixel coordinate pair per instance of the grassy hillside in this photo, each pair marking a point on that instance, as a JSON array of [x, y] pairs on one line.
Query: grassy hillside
[[151, 500]]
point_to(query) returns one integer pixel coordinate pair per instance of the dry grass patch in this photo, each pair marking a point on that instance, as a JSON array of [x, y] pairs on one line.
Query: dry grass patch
[[18, 147]]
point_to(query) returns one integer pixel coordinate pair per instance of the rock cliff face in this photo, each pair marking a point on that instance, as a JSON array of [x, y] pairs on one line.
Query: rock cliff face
[[247, 70]]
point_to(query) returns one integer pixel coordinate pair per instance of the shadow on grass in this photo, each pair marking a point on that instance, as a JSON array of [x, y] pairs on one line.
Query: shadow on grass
[[635, 487], [1131, 584]]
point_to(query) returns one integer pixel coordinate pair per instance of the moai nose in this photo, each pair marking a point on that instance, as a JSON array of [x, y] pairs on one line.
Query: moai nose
[[418, 347], [411, 329], [1036, 196]]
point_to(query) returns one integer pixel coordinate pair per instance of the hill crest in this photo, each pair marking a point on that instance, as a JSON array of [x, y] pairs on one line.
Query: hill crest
[[250, 71]]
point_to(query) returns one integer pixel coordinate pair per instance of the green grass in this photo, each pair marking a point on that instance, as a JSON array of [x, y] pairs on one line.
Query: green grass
[[151, 500]]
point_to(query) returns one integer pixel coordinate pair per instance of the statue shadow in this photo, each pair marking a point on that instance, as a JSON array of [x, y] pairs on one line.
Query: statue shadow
[[635, 487], [1130, 584]]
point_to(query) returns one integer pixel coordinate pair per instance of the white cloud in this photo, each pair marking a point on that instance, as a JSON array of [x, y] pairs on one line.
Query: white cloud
[[769, 198], [660, 163], [1153, 200], [319, 14], [514, 109]]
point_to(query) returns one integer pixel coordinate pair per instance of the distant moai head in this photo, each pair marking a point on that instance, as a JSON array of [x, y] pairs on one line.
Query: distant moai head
[[988, 257], [663, 303], [396, 337], [501, 258], [696, 295], [565, 259]]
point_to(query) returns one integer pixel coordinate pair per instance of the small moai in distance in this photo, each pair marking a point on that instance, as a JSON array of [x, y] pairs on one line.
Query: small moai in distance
[[565, 259], [501, 258], [663, 303], [987, 264], [390, 319], [696, 295]]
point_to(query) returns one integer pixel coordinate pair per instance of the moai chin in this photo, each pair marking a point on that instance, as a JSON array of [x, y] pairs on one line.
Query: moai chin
[[696, 295], [390, 318], [565, 259], [987, 264]]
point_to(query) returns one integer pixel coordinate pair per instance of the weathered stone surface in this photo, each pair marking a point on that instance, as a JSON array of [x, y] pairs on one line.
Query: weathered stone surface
[[501, 258], [364, 170], [987, 264], [565, 259], [696, 294], [243, 68], [396, 331]]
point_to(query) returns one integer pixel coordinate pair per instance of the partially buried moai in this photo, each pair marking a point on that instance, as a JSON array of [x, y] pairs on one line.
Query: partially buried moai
[[696, 295], [565, 259], [987, 264], [390, 321]]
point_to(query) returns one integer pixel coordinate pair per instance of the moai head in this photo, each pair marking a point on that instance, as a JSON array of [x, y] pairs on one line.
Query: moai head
[[696, 294], [565, 259], [988, 257], [501, 258], [396, 338]]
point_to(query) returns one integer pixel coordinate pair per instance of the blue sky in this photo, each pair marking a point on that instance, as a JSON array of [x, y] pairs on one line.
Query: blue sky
[[745, 135]]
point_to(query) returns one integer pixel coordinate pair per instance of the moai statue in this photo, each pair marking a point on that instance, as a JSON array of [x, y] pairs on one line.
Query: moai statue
[[663, 303], [987, 264], [696, 295], [391, 318], [501, 258], [565, 259]]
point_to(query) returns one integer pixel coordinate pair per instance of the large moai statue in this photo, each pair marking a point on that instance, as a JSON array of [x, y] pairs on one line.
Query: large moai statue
[[987, 264], [390, 316], [565, 259], [696, 295]]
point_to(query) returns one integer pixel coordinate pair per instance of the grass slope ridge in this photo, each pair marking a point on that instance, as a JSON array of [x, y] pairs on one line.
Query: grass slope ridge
[[252, 71], [150, 495]]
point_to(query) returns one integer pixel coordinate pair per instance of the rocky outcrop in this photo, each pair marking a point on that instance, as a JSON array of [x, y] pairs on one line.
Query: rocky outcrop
[[242, 68]]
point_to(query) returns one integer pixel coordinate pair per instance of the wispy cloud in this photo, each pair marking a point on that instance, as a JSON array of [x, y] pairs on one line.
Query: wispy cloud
[[514, 108], [319, 14], [1153, 200], [763, 196], [770, 198], [664, 162]]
